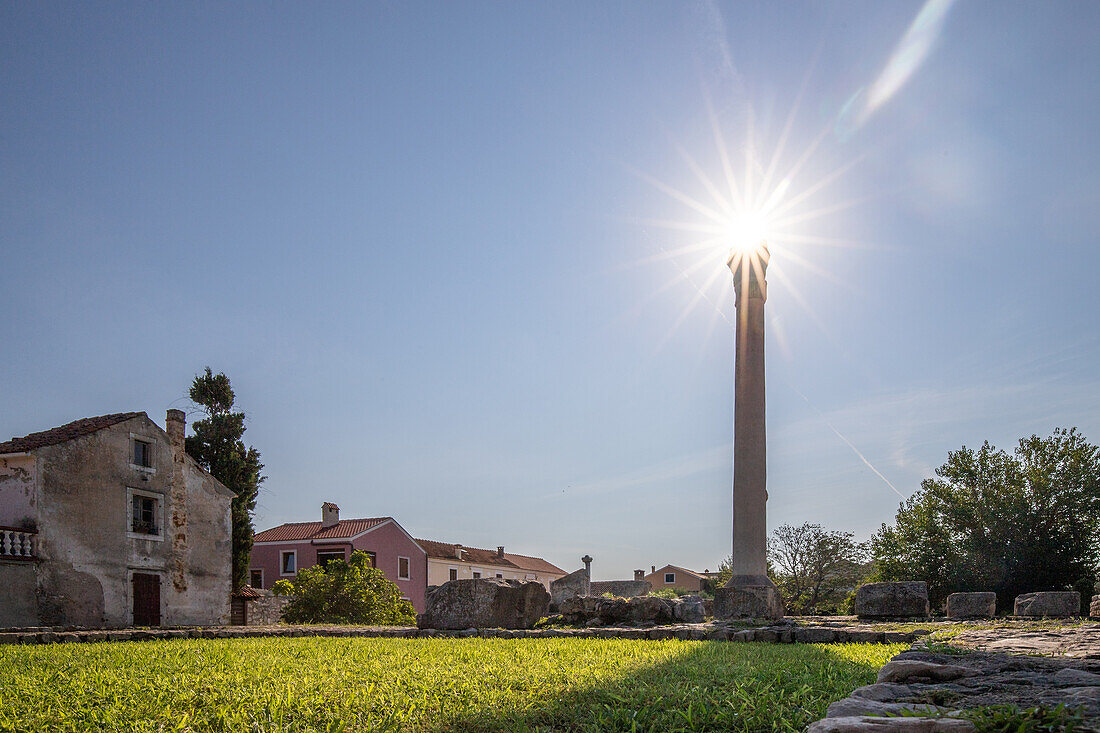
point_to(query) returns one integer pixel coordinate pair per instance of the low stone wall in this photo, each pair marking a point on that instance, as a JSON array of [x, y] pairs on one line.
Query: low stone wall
[[779, 634], [266, 611], [620, 588]]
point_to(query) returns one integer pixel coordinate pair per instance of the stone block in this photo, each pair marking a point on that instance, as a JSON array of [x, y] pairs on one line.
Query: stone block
[[972, 605], [814, 636], [1094, 607], [485, 602], [892, 600], [1048, 603], [761, 601]]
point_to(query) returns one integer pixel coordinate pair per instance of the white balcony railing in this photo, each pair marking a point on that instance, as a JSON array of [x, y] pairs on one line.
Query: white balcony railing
[[16, 543]]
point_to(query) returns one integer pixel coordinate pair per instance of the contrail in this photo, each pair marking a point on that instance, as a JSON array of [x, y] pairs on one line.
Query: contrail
[[849, 443]]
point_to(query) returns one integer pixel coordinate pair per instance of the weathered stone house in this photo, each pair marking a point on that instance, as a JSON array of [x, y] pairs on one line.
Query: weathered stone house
[[106, 521]]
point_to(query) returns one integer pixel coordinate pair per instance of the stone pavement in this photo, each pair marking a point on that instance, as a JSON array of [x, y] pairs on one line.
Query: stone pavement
[[1027, 665], [1081, 641]]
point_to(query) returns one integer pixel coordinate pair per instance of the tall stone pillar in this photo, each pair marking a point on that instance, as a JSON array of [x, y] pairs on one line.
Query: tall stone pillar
[[749, 593]]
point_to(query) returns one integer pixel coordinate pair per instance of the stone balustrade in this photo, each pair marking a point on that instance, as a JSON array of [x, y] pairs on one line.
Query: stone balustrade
[[16, 544]]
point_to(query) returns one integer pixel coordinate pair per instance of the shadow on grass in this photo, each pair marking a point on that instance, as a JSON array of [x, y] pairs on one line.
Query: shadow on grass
[[695, 686]]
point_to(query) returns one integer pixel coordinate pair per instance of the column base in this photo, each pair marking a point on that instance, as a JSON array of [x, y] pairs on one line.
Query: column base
[[748, 596]]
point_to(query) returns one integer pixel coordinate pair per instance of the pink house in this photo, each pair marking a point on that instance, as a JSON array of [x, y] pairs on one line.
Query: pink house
[[280, 552]]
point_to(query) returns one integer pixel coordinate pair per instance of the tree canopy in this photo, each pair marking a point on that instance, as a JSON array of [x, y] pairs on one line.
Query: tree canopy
[[814, 569], [218, 447], [339, 592], [1005, 522]]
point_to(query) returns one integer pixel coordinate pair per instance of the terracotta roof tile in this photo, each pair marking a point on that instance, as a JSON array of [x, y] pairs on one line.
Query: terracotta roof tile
[[479, 556], [343, 529], [534, 564], [69, 431]]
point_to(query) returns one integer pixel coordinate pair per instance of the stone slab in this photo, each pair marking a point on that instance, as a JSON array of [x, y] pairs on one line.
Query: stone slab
[[906, 599], [1054, 603], [972, 605]]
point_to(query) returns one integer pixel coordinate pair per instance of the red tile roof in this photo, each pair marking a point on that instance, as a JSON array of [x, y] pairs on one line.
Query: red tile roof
[[479, 556], [344, 529], [69, 431], [534, 564]]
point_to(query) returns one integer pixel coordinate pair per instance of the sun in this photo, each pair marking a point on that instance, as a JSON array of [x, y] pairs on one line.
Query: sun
[[745, 232]]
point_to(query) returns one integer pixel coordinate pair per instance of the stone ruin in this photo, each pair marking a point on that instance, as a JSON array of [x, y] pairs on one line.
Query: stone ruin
[[637, 611], [484, 603]]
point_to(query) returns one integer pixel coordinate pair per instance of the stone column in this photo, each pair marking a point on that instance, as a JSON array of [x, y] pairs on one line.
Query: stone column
[[587, 560], [749, 593]]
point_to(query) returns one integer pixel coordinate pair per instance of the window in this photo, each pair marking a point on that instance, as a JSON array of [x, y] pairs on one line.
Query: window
[[670, 577], [373, 558], [257, 578], [500, 575], [477, 574], [289, 562], [454, 574], [143, 516], [143, 453], [402, 568], [324, 557]]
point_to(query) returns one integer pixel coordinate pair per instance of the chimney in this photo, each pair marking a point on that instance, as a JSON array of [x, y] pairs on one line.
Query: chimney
[[639, 575], [458, 551], [330, 515], [500, 552], [652, 568], [175, 424]]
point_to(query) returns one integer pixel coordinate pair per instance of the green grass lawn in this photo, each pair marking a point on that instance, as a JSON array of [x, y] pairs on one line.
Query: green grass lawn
[[334, 684]]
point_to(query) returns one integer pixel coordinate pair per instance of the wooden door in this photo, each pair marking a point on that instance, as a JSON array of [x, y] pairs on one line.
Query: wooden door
[[146, 599]]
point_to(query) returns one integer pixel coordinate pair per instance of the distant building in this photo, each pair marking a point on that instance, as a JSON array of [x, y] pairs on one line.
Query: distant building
[[676, 578], [282, 551], [449, 561], [106, 521]]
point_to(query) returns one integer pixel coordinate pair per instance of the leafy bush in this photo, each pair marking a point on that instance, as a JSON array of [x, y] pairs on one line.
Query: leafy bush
[[342, 592], [668, 593], [1006, 522]]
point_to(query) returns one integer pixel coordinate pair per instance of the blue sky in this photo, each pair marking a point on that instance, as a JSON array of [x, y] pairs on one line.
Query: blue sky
[[423, 240]]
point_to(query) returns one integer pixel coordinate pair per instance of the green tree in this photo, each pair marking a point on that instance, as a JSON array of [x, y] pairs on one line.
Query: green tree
[[1005, 522], [340, 592], [813, 568], [218, 447], [725, 572]]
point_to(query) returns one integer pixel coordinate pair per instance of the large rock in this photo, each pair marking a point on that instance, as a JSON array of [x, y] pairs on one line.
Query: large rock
[[1049, 603], [613, 610], [892, 600], [1094, 607], [972, 605], [652, 610], [485, 603], [691, 610]]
